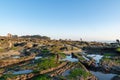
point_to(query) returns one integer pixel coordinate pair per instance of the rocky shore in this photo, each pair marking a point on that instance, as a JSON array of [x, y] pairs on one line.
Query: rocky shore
[[48, 57]]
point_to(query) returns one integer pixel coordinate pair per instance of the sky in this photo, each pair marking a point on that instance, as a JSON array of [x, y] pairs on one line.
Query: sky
[[65, 19]]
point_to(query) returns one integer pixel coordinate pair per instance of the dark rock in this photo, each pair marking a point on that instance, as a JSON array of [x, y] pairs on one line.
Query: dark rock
[[116, 78]]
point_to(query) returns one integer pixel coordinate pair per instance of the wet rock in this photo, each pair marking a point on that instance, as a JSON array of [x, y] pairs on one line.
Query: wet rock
[[116, 78], [115, 69], [11, 61], [21, 44]]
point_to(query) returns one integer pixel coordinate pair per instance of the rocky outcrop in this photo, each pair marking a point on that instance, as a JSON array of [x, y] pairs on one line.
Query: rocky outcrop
[[52, 69], [9, 53], [111, 65], [30, 75], [87, 63], [99, 49], [11, 61], [72, 51], [62, 69], [22, 77]]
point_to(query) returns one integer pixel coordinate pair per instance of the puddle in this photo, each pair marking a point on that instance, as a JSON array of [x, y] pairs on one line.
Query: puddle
[[37, 57], [67, 72], [16, 57], [97, 57], [22, 72], [70, 58], [103, 76]]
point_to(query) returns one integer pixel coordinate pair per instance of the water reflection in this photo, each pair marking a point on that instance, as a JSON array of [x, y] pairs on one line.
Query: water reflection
[[96, 57], [23, 72], [37, 57], [103, 76], [70, 58], [16, 57], [67, 72]]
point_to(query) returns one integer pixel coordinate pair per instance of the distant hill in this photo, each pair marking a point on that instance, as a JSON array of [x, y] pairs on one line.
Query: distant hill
[[35, 36]]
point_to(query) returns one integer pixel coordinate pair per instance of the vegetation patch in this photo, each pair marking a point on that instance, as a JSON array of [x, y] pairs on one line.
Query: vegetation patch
[[62, 55], [14, 48], [5, 76], [42, 77], [112, 60], [118, 49], [46, 63], [78, 72], [109, 54], [2, 50], [45, 51]]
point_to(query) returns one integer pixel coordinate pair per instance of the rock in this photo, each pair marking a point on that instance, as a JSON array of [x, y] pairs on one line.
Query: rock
[[81, 78], [116, 68], [29, 45], [116, 78], [93, 78], [9, 53]]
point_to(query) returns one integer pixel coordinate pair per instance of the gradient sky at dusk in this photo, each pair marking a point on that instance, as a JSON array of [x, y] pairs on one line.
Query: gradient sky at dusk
[[67, 19]]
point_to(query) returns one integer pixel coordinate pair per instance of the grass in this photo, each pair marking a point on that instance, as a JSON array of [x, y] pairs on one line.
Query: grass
[[105, 58], [118, 61], [62, 55], [14, 48], [45, 51], [35, 71], [2, 50], [109, 54], [41, 77], [108, 59], [46, 63], [118, 49], [78, 72], [5, 76]]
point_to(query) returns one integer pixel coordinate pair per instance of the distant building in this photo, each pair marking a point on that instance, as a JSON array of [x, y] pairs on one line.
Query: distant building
[[14, 36], [81, 39], [9, 35]]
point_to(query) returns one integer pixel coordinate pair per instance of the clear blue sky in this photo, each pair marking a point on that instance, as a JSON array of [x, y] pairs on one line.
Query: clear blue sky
[[67, 19]]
